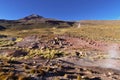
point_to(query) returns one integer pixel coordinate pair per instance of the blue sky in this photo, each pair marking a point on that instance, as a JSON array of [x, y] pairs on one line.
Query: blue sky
[[61, 9]]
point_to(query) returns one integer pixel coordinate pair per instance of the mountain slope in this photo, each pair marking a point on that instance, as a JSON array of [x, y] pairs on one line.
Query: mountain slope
[[34, 21], [100, 22]]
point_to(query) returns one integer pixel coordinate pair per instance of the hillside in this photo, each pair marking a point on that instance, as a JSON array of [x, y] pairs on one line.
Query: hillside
[[100, 22], [34, 21]]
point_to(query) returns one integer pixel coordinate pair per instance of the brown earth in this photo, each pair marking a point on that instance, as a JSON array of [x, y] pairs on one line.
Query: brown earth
[[86, 58], [64, 43]]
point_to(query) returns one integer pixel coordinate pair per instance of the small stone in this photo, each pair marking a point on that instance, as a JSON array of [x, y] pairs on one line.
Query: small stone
[[88, 72], [110, 73], [34, 62], [82, 77]]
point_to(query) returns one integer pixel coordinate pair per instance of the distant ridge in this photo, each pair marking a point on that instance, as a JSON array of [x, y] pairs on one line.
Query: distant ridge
[[35, 21], [100, 22]]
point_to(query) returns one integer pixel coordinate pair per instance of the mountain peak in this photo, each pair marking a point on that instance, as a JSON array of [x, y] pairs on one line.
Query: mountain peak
[[32, 16]]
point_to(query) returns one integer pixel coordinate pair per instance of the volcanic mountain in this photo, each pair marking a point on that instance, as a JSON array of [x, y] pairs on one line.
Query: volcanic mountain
[[34, 21]]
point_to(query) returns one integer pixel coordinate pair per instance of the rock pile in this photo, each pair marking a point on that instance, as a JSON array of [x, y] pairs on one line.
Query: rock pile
[[35, 42]]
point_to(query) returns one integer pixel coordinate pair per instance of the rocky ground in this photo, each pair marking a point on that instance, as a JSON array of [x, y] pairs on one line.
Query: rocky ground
[[67, 68], [61, 42], [85, 60]]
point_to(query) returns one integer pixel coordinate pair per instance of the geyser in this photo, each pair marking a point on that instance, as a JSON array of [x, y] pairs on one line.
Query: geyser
[[113, 56], [113, 51]]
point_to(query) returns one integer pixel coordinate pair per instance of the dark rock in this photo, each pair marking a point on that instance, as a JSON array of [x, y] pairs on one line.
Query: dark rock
[[77, 53], [13, 53], [3, 36], [96, 78], [19, 53], [2, 28], [11, 38]]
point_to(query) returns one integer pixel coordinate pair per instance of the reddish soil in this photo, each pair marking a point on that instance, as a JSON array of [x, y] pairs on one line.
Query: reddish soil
[[78, 43], [91, 64]]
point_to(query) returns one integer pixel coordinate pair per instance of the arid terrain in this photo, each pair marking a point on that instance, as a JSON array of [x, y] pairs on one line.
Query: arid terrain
[[38, 48]]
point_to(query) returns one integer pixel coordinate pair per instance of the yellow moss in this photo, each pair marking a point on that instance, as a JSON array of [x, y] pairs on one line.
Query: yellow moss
[[65, 76], [56, 78], [21, 77], [19, 39], [33, 71], [79, 77]]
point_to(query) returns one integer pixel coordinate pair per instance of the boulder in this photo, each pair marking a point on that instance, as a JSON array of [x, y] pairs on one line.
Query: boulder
[[13, 53]]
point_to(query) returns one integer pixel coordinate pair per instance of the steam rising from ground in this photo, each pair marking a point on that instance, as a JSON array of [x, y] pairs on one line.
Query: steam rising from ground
[[79, 25], [113, 51], [113, 55]]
